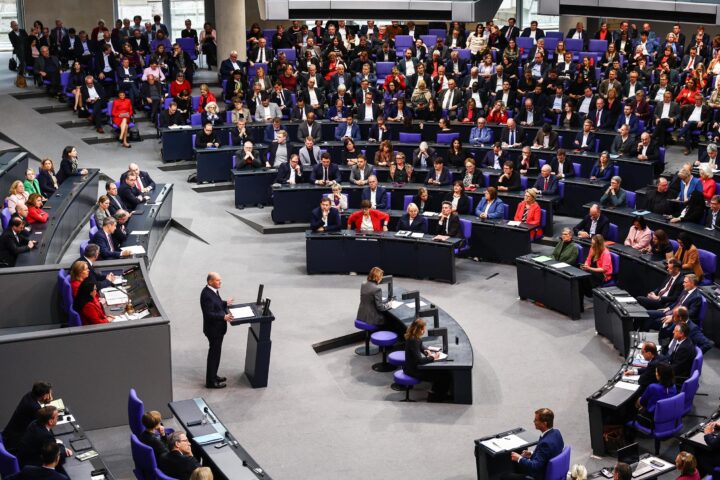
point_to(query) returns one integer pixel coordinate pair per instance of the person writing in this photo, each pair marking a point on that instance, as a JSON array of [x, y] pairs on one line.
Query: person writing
[[417, 355], [566, 250], [372, 307], [87, 304], [368, 219], [439, 175], [325, 218]]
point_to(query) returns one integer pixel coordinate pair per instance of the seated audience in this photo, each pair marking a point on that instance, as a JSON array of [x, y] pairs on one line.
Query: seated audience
[[529, 212], [179, 462], [325, 218], [490, 206], [412, 221], [104, 240], [79, 271], [24, 414], [375, 194], [35, 212], [38, 434], [668, 292], [663, 388], [154, 434], [457, 198], [207, 138], [102, 209], [13, 243], [593, 223], [598, 263], [439, 175], [422, 200], [546, 183], [87, 304], [47, 179], [400, 171], [290, 172], [248, 157], [325, 173], [31, 184], [509, 181], [338, 200], [90, 256], [688, 255], [639, 236], [472, 178], [603, 168], [17, 195], [448, 223], [361, 171]]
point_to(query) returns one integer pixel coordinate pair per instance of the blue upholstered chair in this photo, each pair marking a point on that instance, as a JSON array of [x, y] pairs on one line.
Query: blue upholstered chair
[[667, 420], [368, 328], [406, 381], [8, 463], [144, 459], [136, 410], [558, 466], [690, 388]]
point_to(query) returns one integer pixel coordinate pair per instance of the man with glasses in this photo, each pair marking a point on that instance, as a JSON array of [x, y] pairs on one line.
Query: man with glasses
[[178, 462]]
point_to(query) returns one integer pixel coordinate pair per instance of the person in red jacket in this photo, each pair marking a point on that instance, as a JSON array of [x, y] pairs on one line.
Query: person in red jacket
[[79, 271], [122, 111], [368, 220], [179, 84], [528, 211], [35, 212], [206, 96], [598, 263], [88, 305]]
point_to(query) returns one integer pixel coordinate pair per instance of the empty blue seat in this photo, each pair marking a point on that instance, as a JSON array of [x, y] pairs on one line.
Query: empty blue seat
[[367, 328], [447, 138], [136, 409], [383, 339], [410, 137], [405, 380], [8, 463], [690, 388]]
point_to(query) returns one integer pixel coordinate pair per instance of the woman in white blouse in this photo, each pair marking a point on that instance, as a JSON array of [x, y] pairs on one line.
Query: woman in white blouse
[[338, 199], [17, 196]]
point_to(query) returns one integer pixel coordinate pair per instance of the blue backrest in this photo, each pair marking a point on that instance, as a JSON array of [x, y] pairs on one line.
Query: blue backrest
[[690, 388], [447, 138], [471, 203], [615, 263], [8, 463], [561, 189], [573, 44], [92, 232], [581, 254], [630, 197], [83, 244], [577, 168], [558, 466], [598, 45], [143, 456], [697, 361], [612, 233], [382, 69], [195, 119], [410, 137], [136, 409], [407, 200], [523, 182], [466, 226], [93, 222], [668, 415]]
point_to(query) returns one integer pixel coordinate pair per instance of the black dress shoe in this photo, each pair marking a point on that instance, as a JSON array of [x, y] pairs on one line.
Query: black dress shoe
[[220, 379], [215, 385]]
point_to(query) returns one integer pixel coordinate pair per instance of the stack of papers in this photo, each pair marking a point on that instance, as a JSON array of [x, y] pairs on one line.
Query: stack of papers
[[242, 312], [625, 300], [209, 438], [417, 235], [542, 258], [114, 296], [403, 233], [395, 304], [135, 316], [513, 223], [560, 265], [134, 249], [139, 232], [640, 212], [429, 214], [627, 386], [510, 442], [630, 378]]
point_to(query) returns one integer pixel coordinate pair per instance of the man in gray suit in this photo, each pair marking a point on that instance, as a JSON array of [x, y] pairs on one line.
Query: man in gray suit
[[267, 111], [361, 171], [310, 153]]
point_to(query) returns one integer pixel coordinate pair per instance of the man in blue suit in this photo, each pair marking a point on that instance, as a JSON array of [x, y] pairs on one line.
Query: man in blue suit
[[103, 239], [549, 446], [325, 173], [412, 221], [215, 320], [439, 175], [324, 218], [547, 183], [375, 194], [347, 129], [50, 458], [690, 298], [585, 139], [688, 184]]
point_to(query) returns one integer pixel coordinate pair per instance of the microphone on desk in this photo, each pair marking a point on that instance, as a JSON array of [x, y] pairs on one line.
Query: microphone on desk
[[207, 412], [231, 441]]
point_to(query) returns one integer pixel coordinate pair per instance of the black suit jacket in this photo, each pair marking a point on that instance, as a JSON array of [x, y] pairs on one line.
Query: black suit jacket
[[373, 134], [31, 472], [453, 229], [334, 223], [657, 202], [603, 225], [284, 174], [709, 222], [116, 204], [514, 32], [647, 374], [98, 88], [97, 277], [419, 225], [681, 361], [129, 196], [144, 178], [675, 290], [24, 414], [175, 464], [158, 444], [101, 240], [31, 444], [213, 310], [142, 45], [567, 167], [11, 247]]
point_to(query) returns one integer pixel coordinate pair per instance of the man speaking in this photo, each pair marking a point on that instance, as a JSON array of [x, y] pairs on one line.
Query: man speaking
[[215, 318]]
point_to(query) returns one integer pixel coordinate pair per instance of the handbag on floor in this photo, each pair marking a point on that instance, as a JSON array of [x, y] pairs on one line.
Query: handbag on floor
[[134, 134], [20, 81], [12, 64]]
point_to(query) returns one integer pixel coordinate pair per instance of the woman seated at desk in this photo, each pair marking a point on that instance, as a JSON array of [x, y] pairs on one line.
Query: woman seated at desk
[[598, 263], [88, 306], [529, 212], [46, 177], [17, 195], [412, 221], [349, 152], [210, 115], [102, 210], [490, 206], [35, 212], [639, 236], [368, 220], [371, 299], [660, 246], [422, 200], [338, 199], [686, 464], [457, 198], [79, 271], [31, 184], [400, 171], [566, 250], [664, 388], [416, 354], [688, 255], [603, 168], [693, 211]]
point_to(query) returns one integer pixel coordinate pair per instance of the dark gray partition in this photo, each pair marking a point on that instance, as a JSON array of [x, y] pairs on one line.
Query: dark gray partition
[[95, 366], [12, 167]]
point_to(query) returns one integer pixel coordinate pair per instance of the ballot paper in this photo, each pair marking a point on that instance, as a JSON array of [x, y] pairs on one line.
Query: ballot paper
[[560, 265], [627, 386], [417, 235], [514, 223], [412, 304], [132, 316], [113, 296], [134, 249], [118, 280], [510, 442], [242, 312], [139, 232], [395, 304]]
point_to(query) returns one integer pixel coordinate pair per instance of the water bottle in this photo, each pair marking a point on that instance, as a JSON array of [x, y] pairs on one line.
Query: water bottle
[[204, 418]]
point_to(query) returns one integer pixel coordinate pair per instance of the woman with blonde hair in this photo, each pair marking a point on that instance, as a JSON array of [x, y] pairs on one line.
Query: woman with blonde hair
[[17, 195], [202, 473], [338, 199], [577, 472]]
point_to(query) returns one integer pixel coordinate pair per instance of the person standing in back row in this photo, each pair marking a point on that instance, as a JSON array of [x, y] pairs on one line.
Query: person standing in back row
[[215, 318]]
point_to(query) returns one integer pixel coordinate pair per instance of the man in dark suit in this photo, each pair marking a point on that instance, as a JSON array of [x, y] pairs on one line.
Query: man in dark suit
[[529, 116], [13, 243], [309, 128], [179, 462], [712, 217], [129, 193], [681, 352], [375, 194], [325, 218], [104, 240], [215, 320], [667, 293], [579, 32], [561, 166], [510, 30], [48, 67], [261, 53], [20, 44], [412, 221], [693, 118], [546, 182], [533, 31], [448, 222], [50, 458], [550, 445], [38, 434], [600, 116], [189, 32], [379, 131], [230, 65], [116, 203], [325, 173], [25, 413], [290, 172], [139, 43], [653, 358], [90, 256], [143, 182], [689, 298], [368, 110], [511, 135], [439, 175], [70, 48], [657, 199], [667, 115], [95, 100], [593, 223]]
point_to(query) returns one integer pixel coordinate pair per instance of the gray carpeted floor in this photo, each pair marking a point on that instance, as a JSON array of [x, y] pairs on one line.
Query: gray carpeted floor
[[330, 415]]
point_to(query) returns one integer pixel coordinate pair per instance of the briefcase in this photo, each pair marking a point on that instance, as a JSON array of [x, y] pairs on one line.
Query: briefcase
[[13, 64], [134, 135]]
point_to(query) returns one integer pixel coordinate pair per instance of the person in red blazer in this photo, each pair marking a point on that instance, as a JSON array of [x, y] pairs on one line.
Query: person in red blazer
[[122, 110], [35, 212], [79, 271], [379, 219], [88, 305], [528, 211]]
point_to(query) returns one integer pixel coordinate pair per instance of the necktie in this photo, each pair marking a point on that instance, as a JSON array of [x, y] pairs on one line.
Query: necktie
[[139, 184], [218, 293], [666, 288], [682, 299], [512, 137], [597, 118], [110, 242], [260, 57], [525, 214], [509, 33], [674, 350], [546, 184], [324, 174]]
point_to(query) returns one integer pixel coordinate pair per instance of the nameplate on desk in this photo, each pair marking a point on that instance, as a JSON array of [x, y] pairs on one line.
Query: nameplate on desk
[[86, 455], [501, 444], [242, 312]]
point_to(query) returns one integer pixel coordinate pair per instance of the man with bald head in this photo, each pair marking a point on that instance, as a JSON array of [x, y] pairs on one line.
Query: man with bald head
[[143, 181], [215, 319], [592, 224]]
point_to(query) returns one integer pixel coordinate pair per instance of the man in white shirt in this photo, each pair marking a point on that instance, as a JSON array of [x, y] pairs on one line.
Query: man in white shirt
[[694, 118], [666, 115], [586, 102]]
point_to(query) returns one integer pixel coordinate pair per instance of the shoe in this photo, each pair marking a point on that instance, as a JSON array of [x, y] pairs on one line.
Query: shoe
[[221, 379], [215, 385], [100, 130]]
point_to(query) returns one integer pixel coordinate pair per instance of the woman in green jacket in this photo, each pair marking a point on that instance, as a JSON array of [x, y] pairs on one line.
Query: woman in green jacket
[[566, 250], [31, 183]]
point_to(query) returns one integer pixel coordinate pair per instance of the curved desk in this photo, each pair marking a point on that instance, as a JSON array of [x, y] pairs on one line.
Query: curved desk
[[155, 219], [68, 212], [349, 251], [616, 314], [459, 348]]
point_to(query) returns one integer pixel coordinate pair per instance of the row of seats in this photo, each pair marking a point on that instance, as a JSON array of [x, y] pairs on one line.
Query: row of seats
[[143, 456]]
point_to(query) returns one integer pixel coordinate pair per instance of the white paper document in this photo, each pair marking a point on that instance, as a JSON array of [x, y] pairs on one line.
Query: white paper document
[[135, 249], [627, 386], [412, 304], [139, 232], [429, 214], [514, 223], [630, 378], [417, 235], [242, 312], [625, 300], [395, 304], [504, 443], [114, 296], [118, 280], [560, 265]]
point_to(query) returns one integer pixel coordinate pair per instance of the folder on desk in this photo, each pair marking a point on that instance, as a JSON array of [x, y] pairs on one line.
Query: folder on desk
[[209, 438], [135, 249], [542, 258], [507, 443]]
